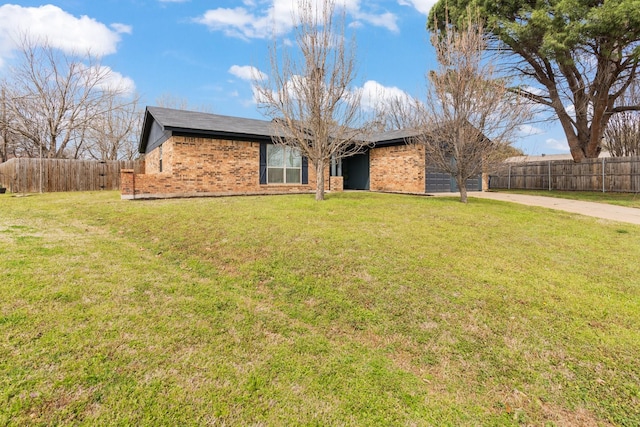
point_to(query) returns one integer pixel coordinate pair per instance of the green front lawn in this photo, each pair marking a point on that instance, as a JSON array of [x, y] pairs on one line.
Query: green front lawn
[[366, 309]]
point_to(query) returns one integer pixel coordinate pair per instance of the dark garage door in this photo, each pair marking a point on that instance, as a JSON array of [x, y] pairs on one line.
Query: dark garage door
[[439, 182]]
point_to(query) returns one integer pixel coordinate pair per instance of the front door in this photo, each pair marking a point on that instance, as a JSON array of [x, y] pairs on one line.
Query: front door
[[355, 170]]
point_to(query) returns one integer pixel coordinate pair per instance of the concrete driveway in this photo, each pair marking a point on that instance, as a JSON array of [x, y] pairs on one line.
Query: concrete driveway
[[598, 210]]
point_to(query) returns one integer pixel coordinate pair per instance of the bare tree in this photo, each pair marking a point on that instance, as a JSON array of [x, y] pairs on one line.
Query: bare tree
[[113, 136], [54, 98], [470, 114], [622, 135], [399, 112], [308, 93], [4, 126]]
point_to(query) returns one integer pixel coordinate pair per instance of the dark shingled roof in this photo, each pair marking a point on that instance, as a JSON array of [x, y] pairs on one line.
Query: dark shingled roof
[[192, 120], [202, 124], [197, 123], [393, 137]]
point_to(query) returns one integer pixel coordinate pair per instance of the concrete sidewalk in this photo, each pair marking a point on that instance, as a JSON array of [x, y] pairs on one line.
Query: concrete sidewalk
[[598, 210]]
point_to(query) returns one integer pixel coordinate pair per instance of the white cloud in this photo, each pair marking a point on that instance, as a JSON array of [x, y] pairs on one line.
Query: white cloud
[[117, 81], [571, 110], [122, 28], [528, 130], [374, 94], [58, 28], [558, 145], [253, 22], [236, 22], [422, 6], [173, 1], [247, 72], [386, 20], [109, 80], [534, 90]]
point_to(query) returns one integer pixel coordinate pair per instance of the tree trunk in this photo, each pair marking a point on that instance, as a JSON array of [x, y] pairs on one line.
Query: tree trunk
[[581, 150], [577, 152], [462, 186], [583, 136], [320, 180]]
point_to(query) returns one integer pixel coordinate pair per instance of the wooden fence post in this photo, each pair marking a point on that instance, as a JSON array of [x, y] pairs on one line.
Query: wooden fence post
[[603, 176]]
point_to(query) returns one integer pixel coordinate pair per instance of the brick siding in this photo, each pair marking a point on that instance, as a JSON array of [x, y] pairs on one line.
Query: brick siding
[[399, 168], [336, 183], [211, 167], [205, 167]]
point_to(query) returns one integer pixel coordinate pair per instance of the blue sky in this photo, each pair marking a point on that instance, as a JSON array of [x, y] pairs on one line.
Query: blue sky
[[203, 51]]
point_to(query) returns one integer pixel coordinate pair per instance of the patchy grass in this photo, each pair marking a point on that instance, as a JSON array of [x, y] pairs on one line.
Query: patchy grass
[[631, 200], [365, 309]]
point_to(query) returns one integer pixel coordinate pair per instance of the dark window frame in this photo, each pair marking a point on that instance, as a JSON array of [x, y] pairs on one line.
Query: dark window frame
[[304, 172]]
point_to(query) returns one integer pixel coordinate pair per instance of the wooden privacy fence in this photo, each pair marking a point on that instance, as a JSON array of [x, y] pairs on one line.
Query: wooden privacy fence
[[26, 175], [611, 174]]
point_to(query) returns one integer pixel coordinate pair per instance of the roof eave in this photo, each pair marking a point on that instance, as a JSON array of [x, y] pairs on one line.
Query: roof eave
[[233, 136], [146, 128], [391, 142]]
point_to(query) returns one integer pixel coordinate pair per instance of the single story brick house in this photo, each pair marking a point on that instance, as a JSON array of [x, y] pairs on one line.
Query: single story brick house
[[188, 154]]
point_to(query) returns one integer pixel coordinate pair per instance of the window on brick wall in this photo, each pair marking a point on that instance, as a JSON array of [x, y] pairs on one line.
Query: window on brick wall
[[160, 158], [284, 165]]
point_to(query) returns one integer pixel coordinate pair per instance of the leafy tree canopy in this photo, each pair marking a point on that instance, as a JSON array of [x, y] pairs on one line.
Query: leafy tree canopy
[[578, 56]]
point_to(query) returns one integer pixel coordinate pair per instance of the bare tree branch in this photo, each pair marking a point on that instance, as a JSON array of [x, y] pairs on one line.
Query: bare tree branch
[[308, 92], [622, 136], [470, 115], [54, 99]]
